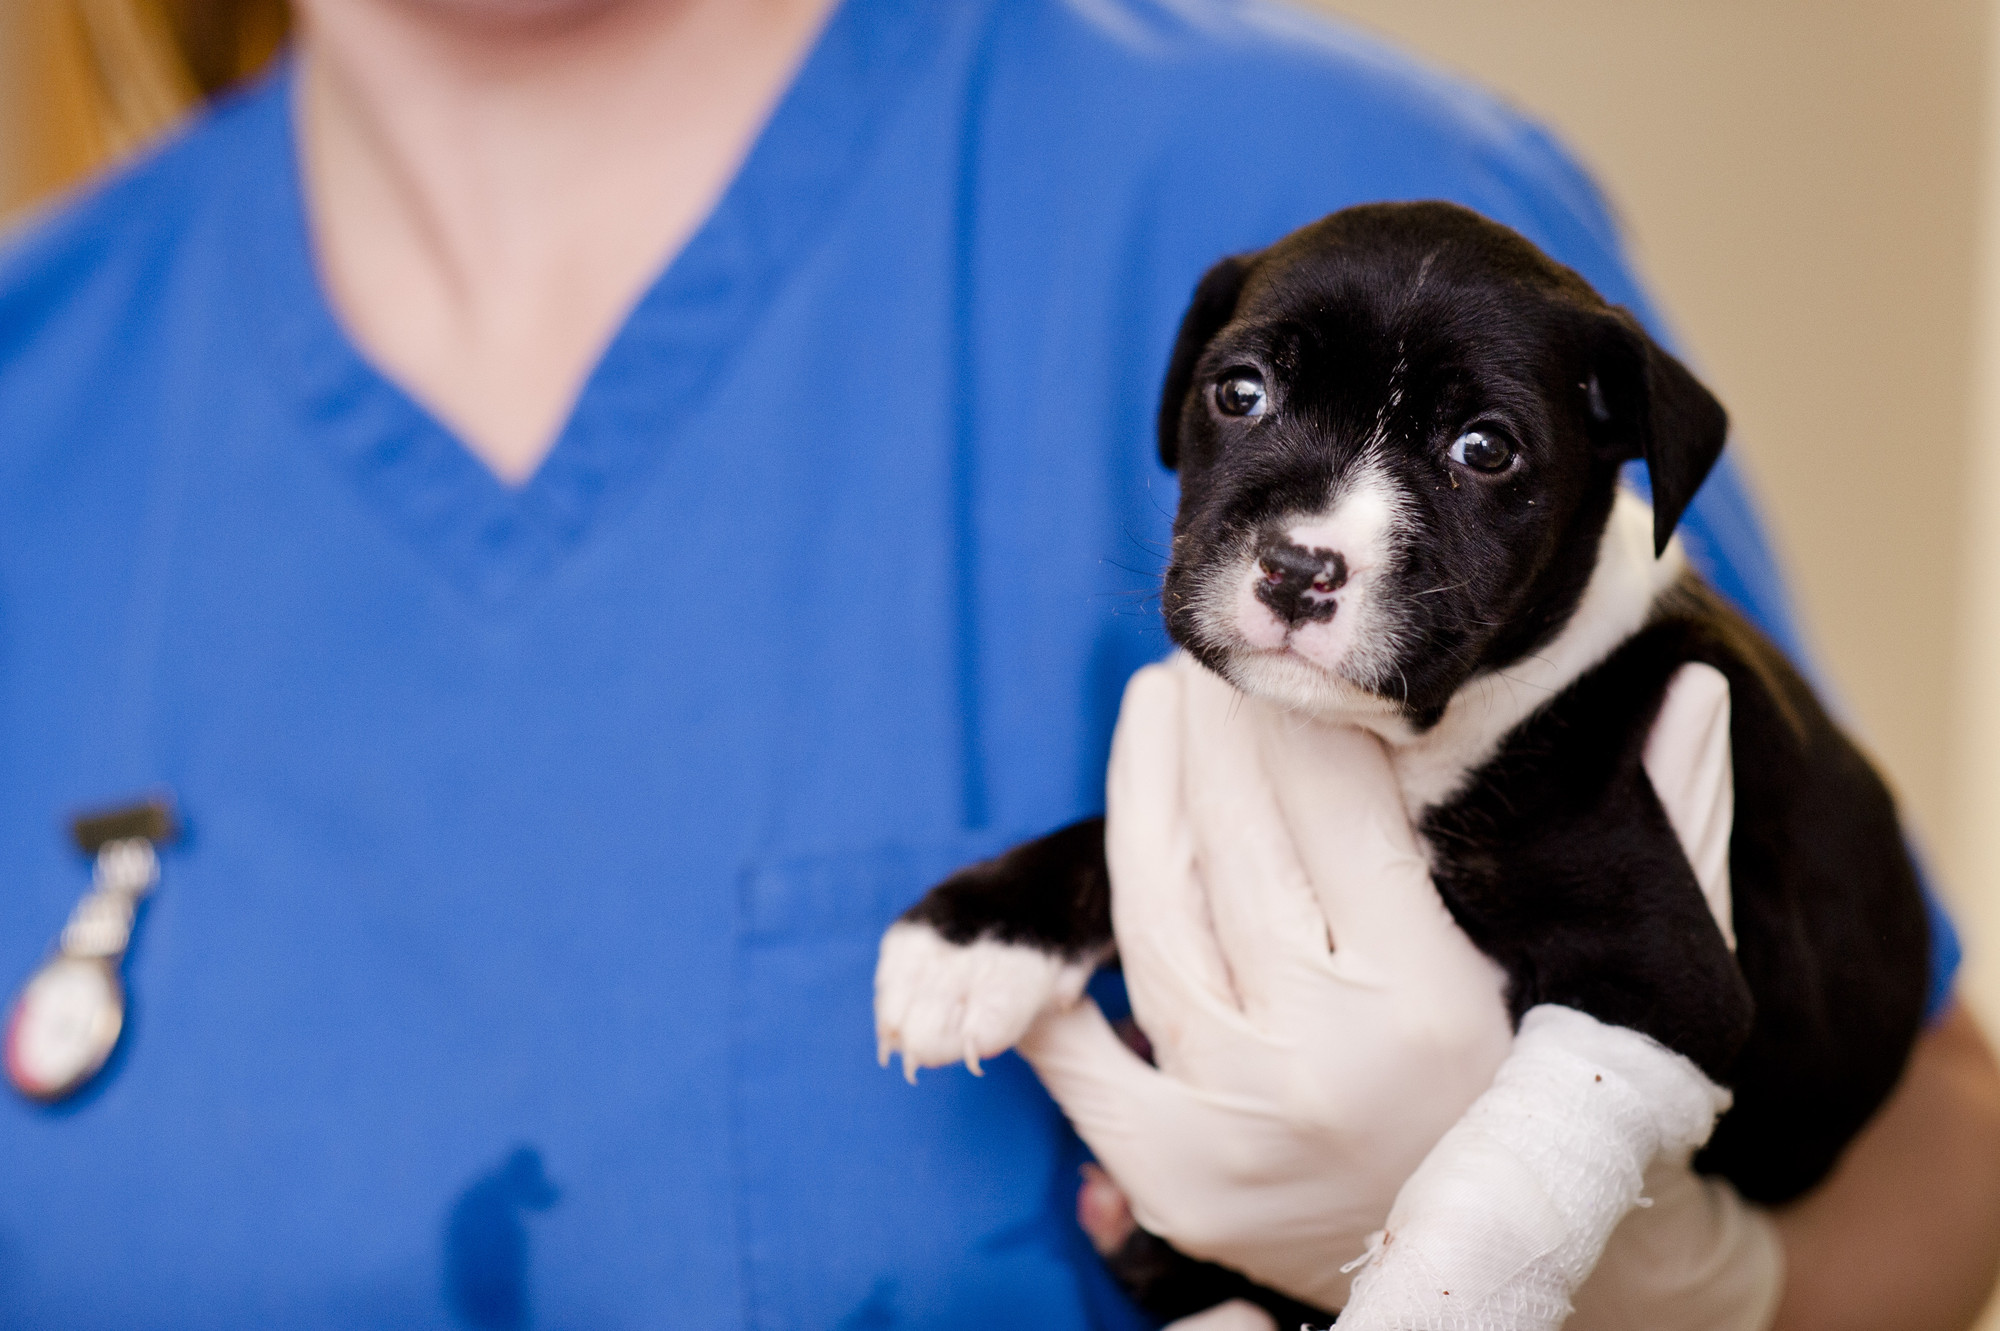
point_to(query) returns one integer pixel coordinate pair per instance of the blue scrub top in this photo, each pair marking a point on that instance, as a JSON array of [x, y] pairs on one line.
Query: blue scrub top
[[515, 968]]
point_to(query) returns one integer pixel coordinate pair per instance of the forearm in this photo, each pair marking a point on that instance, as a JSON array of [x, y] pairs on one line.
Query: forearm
[[1906, 1232]]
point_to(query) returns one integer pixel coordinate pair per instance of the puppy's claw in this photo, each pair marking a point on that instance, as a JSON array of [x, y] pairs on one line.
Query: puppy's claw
[[939, 1002]]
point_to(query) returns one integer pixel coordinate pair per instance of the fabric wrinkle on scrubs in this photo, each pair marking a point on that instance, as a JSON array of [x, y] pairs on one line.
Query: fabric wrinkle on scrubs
[[515, 968]]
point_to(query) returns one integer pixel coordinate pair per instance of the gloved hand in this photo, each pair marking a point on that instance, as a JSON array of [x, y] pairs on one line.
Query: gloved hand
[[1696, 1259], [1318, 1019]]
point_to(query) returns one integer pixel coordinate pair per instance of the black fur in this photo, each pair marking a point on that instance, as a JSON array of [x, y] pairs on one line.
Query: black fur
[[1214, 301], [1410, 323], [1381, 335], [1676, 425], [1053, 893], [1169, 1284], [1811, 1019]]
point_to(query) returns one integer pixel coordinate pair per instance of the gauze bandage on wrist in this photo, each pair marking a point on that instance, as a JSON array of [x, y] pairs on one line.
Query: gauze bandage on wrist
[[1509, 1212]]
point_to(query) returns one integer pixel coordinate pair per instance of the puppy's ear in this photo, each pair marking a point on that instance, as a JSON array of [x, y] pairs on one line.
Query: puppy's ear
[[1645, 404], [1213, 305]]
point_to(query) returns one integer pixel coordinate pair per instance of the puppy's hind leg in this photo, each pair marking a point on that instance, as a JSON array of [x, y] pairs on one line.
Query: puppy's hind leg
[[965, 972]]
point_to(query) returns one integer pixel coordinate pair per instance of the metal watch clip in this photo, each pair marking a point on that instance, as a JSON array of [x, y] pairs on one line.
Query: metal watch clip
[[67, 1018]]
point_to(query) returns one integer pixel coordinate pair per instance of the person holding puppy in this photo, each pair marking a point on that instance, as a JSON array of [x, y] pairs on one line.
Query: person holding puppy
[[591, 505]]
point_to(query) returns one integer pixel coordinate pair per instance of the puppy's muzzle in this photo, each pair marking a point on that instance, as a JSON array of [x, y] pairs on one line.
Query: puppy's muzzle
[[1299, 582]]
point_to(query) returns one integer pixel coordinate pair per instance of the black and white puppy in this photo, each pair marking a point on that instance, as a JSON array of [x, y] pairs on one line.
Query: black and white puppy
[[1399, 433]]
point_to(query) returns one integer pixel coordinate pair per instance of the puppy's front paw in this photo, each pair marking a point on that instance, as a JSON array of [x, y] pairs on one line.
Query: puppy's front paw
[[938, 1002]]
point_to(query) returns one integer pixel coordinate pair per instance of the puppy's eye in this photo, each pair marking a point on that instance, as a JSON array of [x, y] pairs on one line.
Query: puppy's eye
[[1482, 450], [1240, 393]]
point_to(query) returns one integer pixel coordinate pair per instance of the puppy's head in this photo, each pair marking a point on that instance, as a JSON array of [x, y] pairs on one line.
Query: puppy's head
[[1399, 432]]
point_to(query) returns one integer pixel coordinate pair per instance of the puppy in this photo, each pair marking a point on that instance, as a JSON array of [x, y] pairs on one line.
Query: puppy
[[1399, 433]]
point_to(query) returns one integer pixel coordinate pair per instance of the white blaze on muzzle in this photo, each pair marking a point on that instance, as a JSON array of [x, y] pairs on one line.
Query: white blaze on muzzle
[[1338, 622]]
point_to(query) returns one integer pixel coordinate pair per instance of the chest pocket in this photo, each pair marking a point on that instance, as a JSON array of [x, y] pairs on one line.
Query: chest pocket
[[867, 1202]]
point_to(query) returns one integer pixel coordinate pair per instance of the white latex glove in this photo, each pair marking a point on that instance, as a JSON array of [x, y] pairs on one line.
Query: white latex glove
[[1298, 1085], [1317, 1017], [1699, 1258]]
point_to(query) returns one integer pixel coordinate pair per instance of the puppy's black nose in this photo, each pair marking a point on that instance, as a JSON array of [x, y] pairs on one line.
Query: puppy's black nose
[[1299, 583]]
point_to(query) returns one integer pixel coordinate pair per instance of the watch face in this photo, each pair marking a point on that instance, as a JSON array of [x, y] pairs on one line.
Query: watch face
[[64, 1024]]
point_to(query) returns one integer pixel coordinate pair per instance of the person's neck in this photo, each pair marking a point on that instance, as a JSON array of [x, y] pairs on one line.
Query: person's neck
[[489, 196]]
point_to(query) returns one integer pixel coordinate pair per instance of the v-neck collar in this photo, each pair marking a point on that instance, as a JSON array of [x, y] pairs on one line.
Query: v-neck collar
[[493, 540]]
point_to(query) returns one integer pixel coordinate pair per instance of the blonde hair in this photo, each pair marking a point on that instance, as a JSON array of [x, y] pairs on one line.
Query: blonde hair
[[151, 60]]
